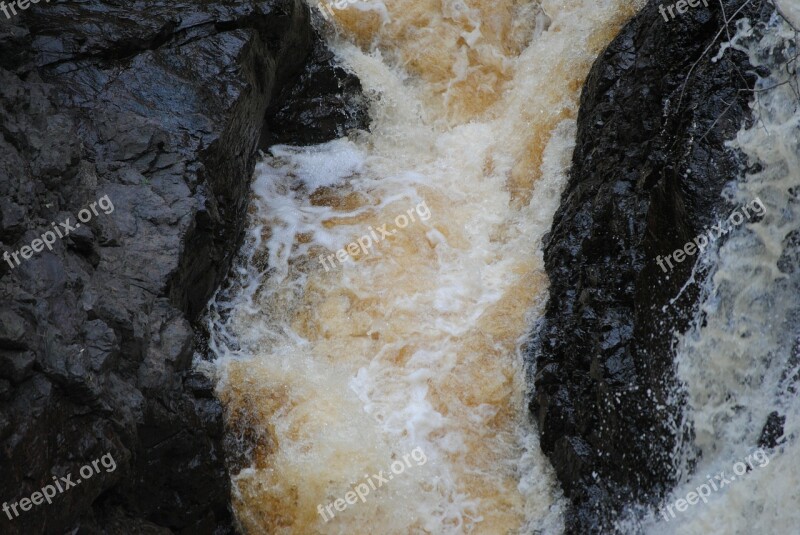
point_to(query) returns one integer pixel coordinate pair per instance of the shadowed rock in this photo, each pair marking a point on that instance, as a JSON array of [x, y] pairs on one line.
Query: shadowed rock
[[159, 106]]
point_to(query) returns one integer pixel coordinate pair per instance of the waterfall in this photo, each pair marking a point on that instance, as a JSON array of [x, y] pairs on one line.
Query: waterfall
[[388, 280]]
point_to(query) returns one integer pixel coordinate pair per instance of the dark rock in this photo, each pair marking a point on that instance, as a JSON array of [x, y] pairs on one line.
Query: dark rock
[[16, 365], [773, 431], [325, 99], [200, 385], [12, 220], [14, 330], [102, 346], [647, 173], [153, 114]]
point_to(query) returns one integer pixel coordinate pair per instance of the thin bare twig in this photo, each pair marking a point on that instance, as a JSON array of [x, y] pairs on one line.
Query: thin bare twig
[[689, 74]]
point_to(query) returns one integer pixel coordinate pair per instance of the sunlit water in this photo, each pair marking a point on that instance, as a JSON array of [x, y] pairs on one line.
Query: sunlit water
[[330, 372]]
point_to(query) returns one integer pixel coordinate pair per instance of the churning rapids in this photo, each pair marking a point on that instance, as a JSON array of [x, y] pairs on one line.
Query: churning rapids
[[334, 366]]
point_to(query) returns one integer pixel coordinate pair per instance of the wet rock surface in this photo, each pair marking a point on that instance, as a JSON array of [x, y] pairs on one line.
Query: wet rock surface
[[160, 107], [647, 174], [326, 98]]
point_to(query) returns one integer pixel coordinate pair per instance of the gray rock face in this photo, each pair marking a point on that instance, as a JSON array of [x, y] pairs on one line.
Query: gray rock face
[[158, 107], [647, 173]]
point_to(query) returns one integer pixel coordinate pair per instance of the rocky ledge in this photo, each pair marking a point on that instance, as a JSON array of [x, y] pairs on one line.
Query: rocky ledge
[[158, 108]]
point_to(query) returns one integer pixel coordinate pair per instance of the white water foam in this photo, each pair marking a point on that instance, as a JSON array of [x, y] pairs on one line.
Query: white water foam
[[330, 374], [736, 362]]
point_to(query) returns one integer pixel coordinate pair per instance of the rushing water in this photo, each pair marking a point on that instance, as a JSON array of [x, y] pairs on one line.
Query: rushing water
[[330, 372], [369, 345]]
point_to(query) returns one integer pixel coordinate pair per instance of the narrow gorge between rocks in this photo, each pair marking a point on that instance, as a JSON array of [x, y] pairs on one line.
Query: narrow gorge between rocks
[[400, 267], [332, 368], [330, 371]]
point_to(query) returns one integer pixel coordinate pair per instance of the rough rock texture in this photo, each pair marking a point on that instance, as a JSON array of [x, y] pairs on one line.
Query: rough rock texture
[[325, 99], [647, 173], [159, 106]]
